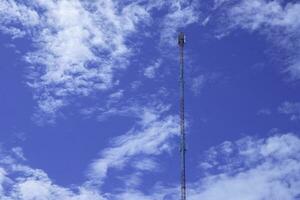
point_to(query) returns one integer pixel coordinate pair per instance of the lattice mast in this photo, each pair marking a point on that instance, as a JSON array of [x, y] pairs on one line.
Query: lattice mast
[[181, 42]]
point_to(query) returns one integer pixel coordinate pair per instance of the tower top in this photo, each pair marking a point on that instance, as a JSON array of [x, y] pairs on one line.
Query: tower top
[[181, 39]]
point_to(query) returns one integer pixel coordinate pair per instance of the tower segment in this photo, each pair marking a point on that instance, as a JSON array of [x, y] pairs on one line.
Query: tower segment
[[181, 43]]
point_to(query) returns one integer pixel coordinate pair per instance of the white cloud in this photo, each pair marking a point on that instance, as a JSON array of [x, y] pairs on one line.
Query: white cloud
[[270, 166], [150, 138], [253, 169], [278, 21], [248, 169], [290, 108], [12, 14], [258, 13], [145, 164], [197, 84], [218, 3], [264, 111], [81, 48], [20, 182], [18, 151], [205, 21], [79, 44], [150, 71], [181, 14]]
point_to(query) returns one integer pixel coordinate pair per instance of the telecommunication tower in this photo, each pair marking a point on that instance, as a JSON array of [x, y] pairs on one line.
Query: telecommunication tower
[[181, 42]]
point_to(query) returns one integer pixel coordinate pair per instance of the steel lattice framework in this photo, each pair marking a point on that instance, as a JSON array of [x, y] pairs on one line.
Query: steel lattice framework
[[181, 42]]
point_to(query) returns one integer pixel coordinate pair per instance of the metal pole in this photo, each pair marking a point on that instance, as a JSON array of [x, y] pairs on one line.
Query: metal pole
[[181, 42]]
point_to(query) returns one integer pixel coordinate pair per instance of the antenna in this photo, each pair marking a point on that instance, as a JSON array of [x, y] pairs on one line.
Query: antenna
[[181, 42]]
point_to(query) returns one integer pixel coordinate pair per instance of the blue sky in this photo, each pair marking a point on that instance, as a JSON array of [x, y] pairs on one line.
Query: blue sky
[[89, 99]]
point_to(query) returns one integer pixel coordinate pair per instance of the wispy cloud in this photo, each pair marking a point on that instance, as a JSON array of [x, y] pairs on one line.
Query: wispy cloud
[[199, 82], [248, 168], [292, 109], [182, 14], [15, 18], [21, 182], [269, 166], [78, 45], [150, 71], [151, 137], [277, 20], [264, 111]]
